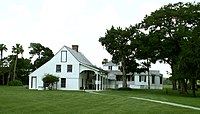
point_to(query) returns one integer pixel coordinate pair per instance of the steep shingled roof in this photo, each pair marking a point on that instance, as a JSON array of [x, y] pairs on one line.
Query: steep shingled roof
[[79, 56]]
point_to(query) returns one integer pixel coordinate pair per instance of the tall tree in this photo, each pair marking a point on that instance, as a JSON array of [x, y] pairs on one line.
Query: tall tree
[[145, 46], [36, 49], [170, 25], [2, 48], [117, 43], [44, 54], [23, 69], [18, 49]]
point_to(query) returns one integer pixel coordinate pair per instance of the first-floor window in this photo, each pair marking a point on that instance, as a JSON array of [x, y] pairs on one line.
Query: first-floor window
[[132, 78], [153, 79], [161, 80], [142, 78], [63, 82], [128, 78]]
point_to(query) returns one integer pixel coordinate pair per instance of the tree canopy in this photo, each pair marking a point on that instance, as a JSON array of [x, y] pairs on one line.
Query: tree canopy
[[169, 34], [117, 43], [13, 67]]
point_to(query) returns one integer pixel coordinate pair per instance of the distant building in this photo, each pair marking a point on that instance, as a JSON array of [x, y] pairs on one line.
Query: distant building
[[136, 81]]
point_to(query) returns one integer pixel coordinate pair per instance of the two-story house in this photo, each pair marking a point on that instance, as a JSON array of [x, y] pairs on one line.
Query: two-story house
[[136, 80], [74, 70]]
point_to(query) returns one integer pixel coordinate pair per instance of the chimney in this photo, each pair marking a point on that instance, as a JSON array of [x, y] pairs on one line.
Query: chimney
[[75, 47]]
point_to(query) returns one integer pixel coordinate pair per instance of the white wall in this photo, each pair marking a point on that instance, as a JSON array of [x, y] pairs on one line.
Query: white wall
[[113, 68], [50, 67]]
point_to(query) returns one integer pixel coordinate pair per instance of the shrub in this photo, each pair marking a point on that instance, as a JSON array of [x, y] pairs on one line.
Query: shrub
[[15, 83], [49, 80], [125, 89]]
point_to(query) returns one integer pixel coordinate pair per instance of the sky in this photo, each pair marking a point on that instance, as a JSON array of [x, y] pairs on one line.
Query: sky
[[55, 23]]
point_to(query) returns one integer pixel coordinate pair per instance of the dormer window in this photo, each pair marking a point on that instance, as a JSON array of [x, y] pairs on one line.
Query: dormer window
[[63, 56], [109, 67]]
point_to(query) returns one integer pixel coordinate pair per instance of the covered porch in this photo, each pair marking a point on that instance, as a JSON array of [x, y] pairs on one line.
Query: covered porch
[[92, 78]]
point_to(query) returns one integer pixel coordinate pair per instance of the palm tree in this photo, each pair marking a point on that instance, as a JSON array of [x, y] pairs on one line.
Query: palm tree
[[18, 49], [2, 48]]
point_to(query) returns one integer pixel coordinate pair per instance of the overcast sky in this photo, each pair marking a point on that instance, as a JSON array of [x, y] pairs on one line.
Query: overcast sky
[[55, 23]]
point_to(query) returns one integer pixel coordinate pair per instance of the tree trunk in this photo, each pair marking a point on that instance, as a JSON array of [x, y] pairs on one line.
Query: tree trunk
[[193, 87], [3, 80], [179, 85], [148, 75], [183, 86], [14, 73], [174, 84], [1, 54], [124, 78], [124, 83], [8, 78]]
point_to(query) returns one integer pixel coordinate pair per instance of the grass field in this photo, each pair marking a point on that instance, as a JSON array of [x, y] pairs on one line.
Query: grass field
[[20, 100]]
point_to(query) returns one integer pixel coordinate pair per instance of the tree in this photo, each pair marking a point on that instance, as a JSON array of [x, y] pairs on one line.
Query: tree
[[44, 54], [170, 25], [18, 49], [2, 48], [36, 49], [50, 79], [104, 61], [23, 69], [117, 43], [145, 46]]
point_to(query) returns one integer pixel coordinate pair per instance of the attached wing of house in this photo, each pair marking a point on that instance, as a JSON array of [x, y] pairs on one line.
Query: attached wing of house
[[74, 70], [136, 80]]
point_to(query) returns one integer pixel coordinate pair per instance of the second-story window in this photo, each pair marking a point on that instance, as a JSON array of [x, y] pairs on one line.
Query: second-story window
[[69, 68], [109, 67], [58, 68]]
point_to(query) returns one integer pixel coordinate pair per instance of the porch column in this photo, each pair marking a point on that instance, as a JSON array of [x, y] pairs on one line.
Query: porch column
[[96, 81], [99, 84], [102, 83]]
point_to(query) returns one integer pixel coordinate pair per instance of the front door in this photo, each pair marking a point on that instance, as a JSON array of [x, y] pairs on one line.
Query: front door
[[34, 82]]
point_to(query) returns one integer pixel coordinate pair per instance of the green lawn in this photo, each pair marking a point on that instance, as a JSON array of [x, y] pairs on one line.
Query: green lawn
[[20, 100]]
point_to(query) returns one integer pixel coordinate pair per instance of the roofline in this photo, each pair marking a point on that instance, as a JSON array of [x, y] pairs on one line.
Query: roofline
[[94, 67]]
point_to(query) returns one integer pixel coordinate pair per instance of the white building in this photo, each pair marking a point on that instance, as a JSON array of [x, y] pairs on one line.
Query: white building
[[74, 70], [137, 81]]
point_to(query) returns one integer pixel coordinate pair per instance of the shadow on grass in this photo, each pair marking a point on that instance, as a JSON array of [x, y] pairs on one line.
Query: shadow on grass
[[165, 91]]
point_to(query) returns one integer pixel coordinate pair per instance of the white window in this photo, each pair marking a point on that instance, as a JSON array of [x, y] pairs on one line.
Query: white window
[[63, 56]]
